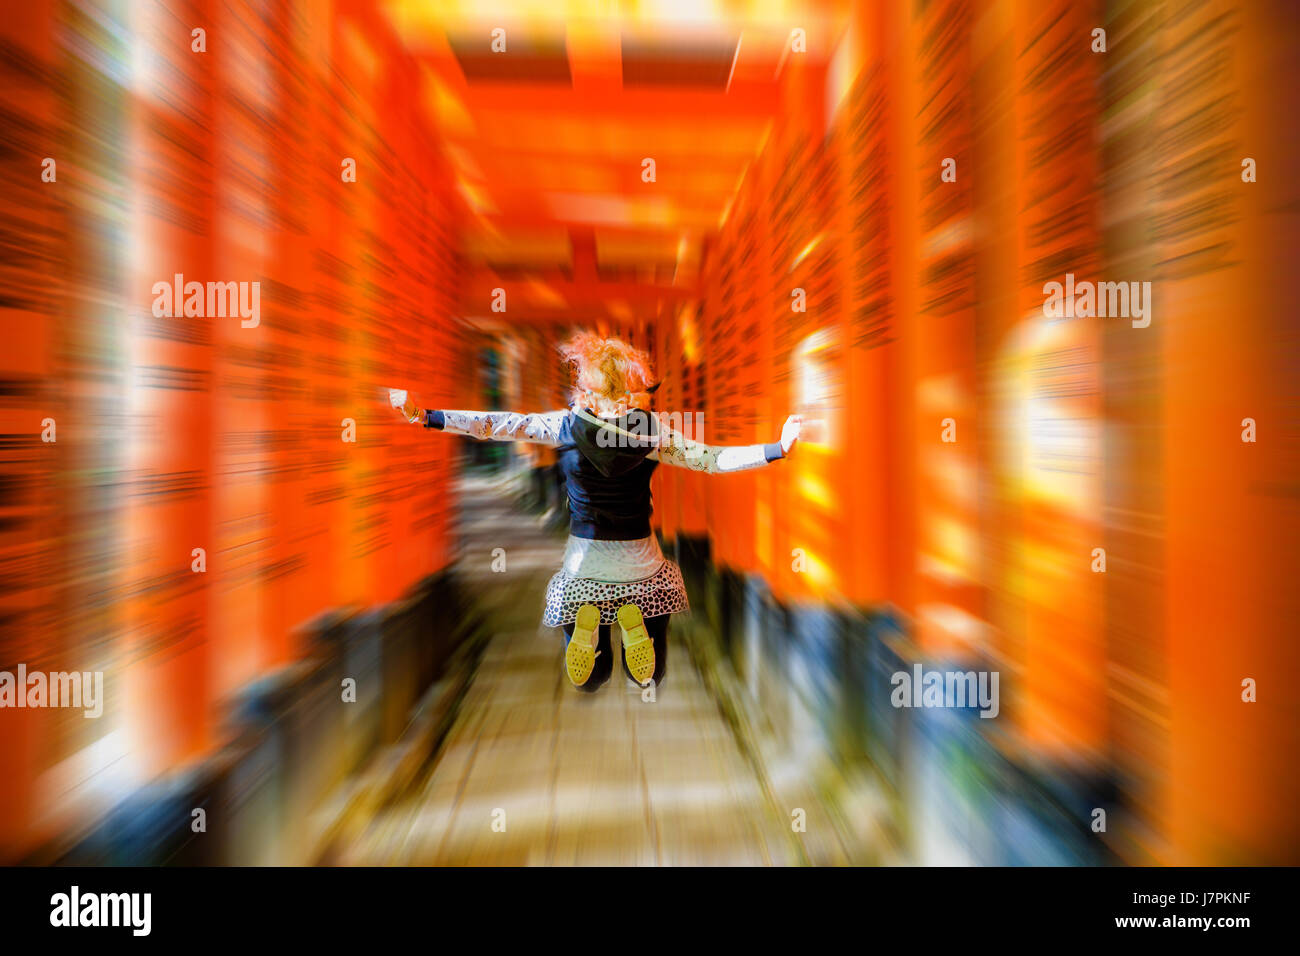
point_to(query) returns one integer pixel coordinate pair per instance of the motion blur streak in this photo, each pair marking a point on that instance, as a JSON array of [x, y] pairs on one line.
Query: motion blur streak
[[848, 211]]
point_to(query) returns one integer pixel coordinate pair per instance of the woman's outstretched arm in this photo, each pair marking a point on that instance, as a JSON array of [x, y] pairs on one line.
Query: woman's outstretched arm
[[676, 449], [540, 428], [543, 429]]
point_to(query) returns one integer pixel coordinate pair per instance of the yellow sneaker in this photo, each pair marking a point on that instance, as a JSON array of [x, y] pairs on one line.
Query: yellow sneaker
[[638, 648], [580, 654]]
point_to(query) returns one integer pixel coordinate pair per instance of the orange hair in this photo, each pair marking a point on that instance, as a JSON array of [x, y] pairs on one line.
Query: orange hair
[[607, 368]]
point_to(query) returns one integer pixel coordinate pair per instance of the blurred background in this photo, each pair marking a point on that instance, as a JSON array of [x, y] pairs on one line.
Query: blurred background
[[431, 195]]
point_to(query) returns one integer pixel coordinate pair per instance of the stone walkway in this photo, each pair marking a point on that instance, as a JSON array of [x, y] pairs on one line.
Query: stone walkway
[[535, 773]]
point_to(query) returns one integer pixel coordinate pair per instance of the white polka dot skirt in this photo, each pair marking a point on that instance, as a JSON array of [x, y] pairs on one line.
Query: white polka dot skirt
[[664, 592]]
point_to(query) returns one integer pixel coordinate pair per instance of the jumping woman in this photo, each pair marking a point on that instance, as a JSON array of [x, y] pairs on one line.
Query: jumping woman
[[608, 444]]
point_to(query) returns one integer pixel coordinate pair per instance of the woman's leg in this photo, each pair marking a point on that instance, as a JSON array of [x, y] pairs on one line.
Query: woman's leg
[[604, 665], [658, 630]]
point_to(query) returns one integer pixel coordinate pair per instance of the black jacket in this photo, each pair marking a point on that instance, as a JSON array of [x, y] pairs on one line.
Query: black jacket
[[608, 475]]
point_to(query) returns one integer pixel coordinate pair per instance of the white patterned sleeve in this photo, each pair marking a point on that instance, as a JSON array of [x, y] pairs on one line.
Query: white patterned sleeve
[[537, 428], [681, 452]]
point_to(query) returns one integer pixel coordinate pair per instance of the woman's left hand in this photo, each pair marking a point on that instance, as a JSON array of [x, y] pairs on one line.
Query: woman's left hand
[[790, 432], [400, 399]]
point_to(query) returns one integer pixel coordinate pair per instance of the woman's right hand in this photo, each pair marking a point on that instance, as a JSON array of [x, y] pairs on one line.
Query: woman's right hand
[[790, 433]]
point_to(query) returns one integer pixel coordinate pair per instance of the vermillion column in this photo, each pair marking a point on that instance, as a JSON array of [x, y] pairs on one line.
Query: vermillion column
[[31, 467], [1224, 304], [870, 334], [1049, 394], [166, 683]]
